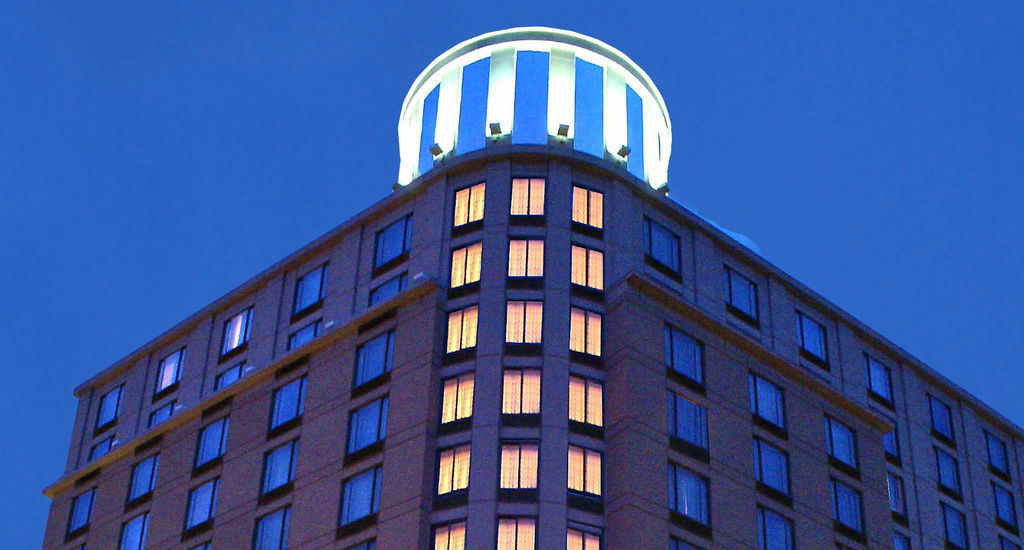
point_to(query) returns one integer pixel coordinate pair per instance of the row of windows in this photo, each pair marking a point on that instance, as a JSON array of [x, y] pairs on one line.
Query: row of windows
[[523, 324], [528, 200], [526, 259]]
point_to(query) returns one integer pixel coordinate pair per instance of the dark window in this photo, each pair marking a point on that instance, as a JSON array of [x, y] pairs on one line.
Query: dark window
[[771, 466], [279, 466], [202, 501], [740, 293], [133, 533], [368, 424], [169, 370], [304, 335], [143, 478], [212, 441], [81, 510], [661, 244], [687, 420], [891, 442], [842, 442], [879, 378], [766, 401], [393, 241], [812, 336], [373, 358], [228, 377], [101, 448], [388, 289], [897, 496], [309, 288], [684, 354], [846, 507], [1005, 509], [942, 417], [272, 530], [162, 413], [237, 330], [948, 470], [774, 531], [688, 494], [360, 496], [996, 453], [956, 526], [110, 406], [288, 402]]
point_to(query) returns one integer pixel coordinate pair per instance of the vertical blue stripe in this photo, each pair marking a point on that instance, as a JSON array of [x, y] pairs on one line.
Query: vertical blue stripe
[[530, 116], [589, 119], [473, 106], [426, 161], [635, 133]]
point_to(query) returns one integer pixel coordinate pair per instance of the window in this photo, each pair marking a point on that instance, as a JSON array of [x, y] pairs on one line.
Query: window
[[766, 401], [846, 506], [81, 510], [585, 331], [466, 265], [368, 424], [587, 267], [584, 470], [469, 205], [661, 244], [1005, 544], [942, 417], [304, 335], [677, 544], [996, 453], [462, 329], [453, 470], [687, 420], [169, 370], [288, 402], [450, 537], [279, 466], [897, 496], [203, 546], [684, 354], [101, 448], [212, 441], [393, 241], [517, 534], [1005, 509], [525, 258], [955, 525], [388, 289], [900, 542], [201, 503], [133, 533], [373, 358], [771, 466], [520, 392], [518, 466], [842, 442], [585, 400], [741, 293], [527, 197], [110, 406], [457, 398], [688, 494], [948, 470], [879, 379], [360, 496], [309, 289], [774, 532], [812, 336], [581, 540], [272, 530], [237, 330], [523, 322], [143, 478], [162, 413], [228, 377], [890, 442], [587, 207]]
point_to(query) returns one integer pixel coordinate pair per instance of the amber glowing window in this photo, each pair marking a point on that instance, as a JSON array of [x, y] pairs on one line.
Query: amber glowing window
[[581, 540], [457, 398], [520, 392], [526, 258], [588, 207], [587, 267], [518, 466], [523, 322], [584, 470], [585, 331], [527, 197], [450, 537], [469, 205], [466, 265], [517, 534], [453, 469], [462, 329], [585, 400]]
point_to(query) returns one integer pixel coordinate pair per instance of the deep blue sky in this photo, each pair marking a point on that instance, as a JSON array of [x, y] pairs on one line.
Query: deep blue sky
[[152, 157]]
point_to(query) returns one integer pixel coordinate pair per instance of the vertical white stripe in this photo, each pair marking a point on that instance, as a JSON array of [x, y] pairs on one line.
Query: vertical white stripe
[[614, 110], [448, 109], [561, 90], [501, 94], [410, 155]]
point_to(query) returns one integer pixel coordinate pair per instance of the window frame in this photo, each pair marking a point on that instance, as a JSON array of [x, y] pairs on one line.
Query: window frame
[[519, 335], [887, 397], [179, 355], [72, 528], [530, 243], [376, 480], [588, 261], [168, 406], [317, 328], [946, 509], [755, 400], [830, 424], [448, 535], [675, 267], [518, 521], [529, 196], [730, 274], [939, 454], [996, 488], [932, 401], [98, 425], [378, 261], [144, 517], [837, 516], [248, 314], [293, 457], [220, 376], [285, 522], [898, 501], [149, 485], [522, 371], [670, 335], [589, 211], [586, 331], [762, 524], [211, 510], [759, 443], [382, 405], [801, 318], [441, 466], [462, 340], [361, 359], [588, 384], [673, 414], [989, 439], [674, 490], [300, 404], [375, 296], [322, 270], [587, 476], [470, 193], [467, 250], [459, 380], [518, 444]]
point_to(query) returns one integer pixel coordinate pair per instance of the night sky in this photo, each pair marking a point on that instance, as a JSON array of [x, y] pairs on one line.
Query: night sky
[[153, 157]]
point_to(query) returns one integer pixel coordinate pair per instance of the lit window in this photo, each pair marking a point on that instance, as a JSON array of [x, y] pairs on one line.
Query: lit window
[[948, 470], [81, 510], [453, 470], [392, 241], [228, 377], [585, 400], [527, 197], [304, 335], [897, 496], [879, 379], [520, 392], [462, 329], [202, 501], [388, 289], [956, 526], [143, 478], [581, 540], [766, 401], [360, 496], [741, 293], [272, 530], [688, 494], [890, 442], [373, 358], [1005, 509], [237, 330], [288, 402], [661, 244], [942, 417], [996, 453], [774, 532], [525, 258], [279, 466], [162, 413], [212, 442], [523, 322], [466, 265], [812, 336], [169, 370], [771, 466], [842, 442], [457, 398], [584, 470], [687, 420], [517, 534], [587, 207], [133, 533], [585, 331], [846, 507], [518, 466], [450, 537], [101, 448], [684, 354], [110, 406], [587, 267], [368, 424], [309, 289], [469, 205]]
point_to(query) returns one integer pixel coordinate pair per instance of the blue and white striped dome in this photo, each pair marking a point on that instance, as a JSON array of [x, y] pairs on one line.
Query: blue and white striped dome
[[535, 85]]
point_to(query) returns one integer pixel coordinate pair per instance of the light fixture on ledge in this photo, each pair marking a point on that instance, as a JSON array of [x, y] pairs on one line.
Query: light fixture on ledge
[[495, 128], [563, 130], [623, 152], [436, 150]]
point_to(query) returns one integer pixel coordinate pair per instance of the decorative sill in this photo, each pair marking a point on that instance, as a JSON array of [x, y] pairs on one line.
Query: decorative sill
[[1008, 527], [526, 283], [376, 321], [165, 392], [690, 524], [148, 444], [585, 502], [366, 452], [291, 367], [686, 381], [76, 533], [88, 477], [455, 426], [849, 532], [775, 494], [356, 526], [767, 426], [207, 466], [467, 228], [999, 473], [464, 290], [307, 310], [233, 352], [899, 518], [894, 460], [451, 500], [691, 450], [531, 221], [530, 349], [589, 430], [845, 468], [743, 316], [517, 495], [595, 361], [276, 493], [104, 427], [587, 293], [663, 269], [887, 403], [951, 493], [284, 427], [520, 420], [388, 265], [216, 407], [370, 385], [138, 501], [459, 356], [197, 530], [943, 438], [815, 360], [588, 230]]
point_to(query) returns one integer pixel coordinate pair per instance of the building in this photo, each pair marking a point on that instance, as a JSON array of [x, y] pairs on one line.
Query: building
[[528, 344]]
